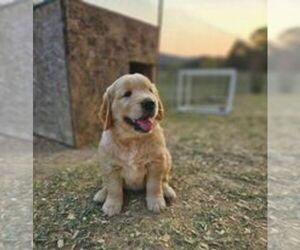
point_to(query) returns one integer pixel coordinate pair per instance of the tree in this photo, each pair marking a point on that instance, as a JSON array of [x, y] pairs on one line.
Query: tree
[[259, 50], [238, 56], [258, 58], [259, 39], [250, 55]]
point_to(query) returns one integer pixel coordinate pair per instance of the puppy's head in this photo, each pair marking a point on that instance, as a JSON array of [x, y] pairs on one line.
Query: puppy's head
[[132, 103]]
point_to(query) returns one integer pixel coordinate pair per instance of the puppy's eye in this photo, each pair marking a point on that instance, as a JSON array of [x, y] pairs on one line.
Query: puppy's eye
[[127, 94], [151, 90]]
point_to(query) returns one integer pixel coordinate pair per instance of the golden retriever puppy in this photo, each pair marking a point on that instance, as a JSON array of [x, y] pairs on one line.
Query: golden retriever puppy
[[132, 148]]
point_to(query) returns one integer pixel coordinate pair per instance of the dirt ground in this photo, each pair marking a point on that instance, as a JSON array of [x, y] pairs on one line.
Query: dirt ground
[[15, 193], [219, 174]]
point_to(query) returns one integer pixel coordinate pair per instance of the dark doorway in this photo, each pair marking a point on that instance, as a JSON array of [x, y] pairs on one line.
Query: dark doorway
[[145, 69]]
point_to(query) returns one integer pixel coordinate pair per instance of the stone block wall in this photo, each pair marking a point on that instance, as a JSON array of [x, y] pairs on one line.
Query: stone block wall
[[52, 117], [99, 47], [16, 69]]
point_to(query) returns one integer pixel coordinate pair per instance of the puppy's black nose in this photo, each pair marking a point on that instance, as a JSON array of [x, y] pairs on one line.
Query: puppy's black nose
[[148, 105]]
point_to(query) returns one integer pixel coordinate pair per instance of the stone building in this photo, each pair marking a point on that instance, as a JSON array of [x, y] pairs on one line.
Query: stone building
[[15, 69], [80, 49]]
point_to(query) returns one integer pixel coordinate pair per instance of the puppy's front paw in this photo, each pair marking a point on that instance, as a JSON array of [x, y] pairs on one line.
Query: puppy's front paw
[[112, 207], [156, 204], [100, 196], [169, 192]]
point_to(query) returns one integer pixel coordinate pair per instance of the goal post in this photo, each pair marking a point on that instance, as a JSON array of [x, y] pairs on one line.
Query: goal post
[[213, 95]]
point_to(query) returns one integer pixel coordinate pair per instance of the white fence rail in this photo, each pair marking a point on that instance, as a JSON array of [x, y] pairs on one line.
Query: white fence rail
[[188, 78]]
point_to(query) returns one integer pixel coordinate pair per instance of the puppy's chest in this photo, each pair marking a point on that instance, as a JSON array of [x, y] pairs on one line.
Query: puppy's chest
[[133, 169]]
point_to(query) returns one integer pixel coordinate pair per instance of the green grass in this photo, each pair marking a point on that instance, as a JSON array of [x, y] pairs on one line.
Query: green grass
[[220, 176]]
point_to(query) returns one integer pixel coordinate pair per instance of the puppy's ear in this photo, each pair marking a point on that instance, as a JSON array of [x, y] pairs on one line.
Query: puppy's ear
[[161, 110], [105, 112]]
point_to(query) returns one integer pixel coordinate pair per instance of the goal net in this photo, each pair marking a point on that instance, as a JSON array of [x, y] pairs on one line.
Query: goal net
[[206, 90]]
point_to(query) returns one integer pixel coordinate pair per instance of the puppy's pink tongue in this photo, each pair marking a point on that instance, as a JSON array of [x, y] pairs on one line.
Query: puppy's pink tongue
[[145, 124]]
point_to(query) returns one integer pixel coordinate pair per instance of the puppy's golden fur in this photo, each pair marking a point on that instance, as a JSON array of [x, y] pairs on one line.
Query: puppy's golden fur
[[131, 156]]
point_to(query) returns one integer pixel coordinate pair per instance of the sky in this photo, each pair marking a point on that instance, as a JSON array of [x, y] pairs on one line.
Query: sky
[[282, 15], [196, 27]]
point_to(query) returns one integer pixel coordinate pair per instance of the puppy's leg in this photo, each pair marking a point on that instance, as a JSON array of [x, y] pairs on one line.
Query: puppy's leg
[[169, 192], [100, 196], [154, 190], [114, 199]]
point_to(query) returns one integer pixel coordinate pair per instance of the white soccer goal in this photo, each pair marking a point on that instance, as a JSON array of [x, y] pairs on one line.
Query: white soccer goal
[[206, 90]]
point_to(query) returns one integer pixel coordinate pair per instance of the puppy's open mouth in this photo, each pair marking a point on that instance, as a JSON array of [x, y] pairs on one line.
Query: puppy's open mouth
[[144, 124]]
